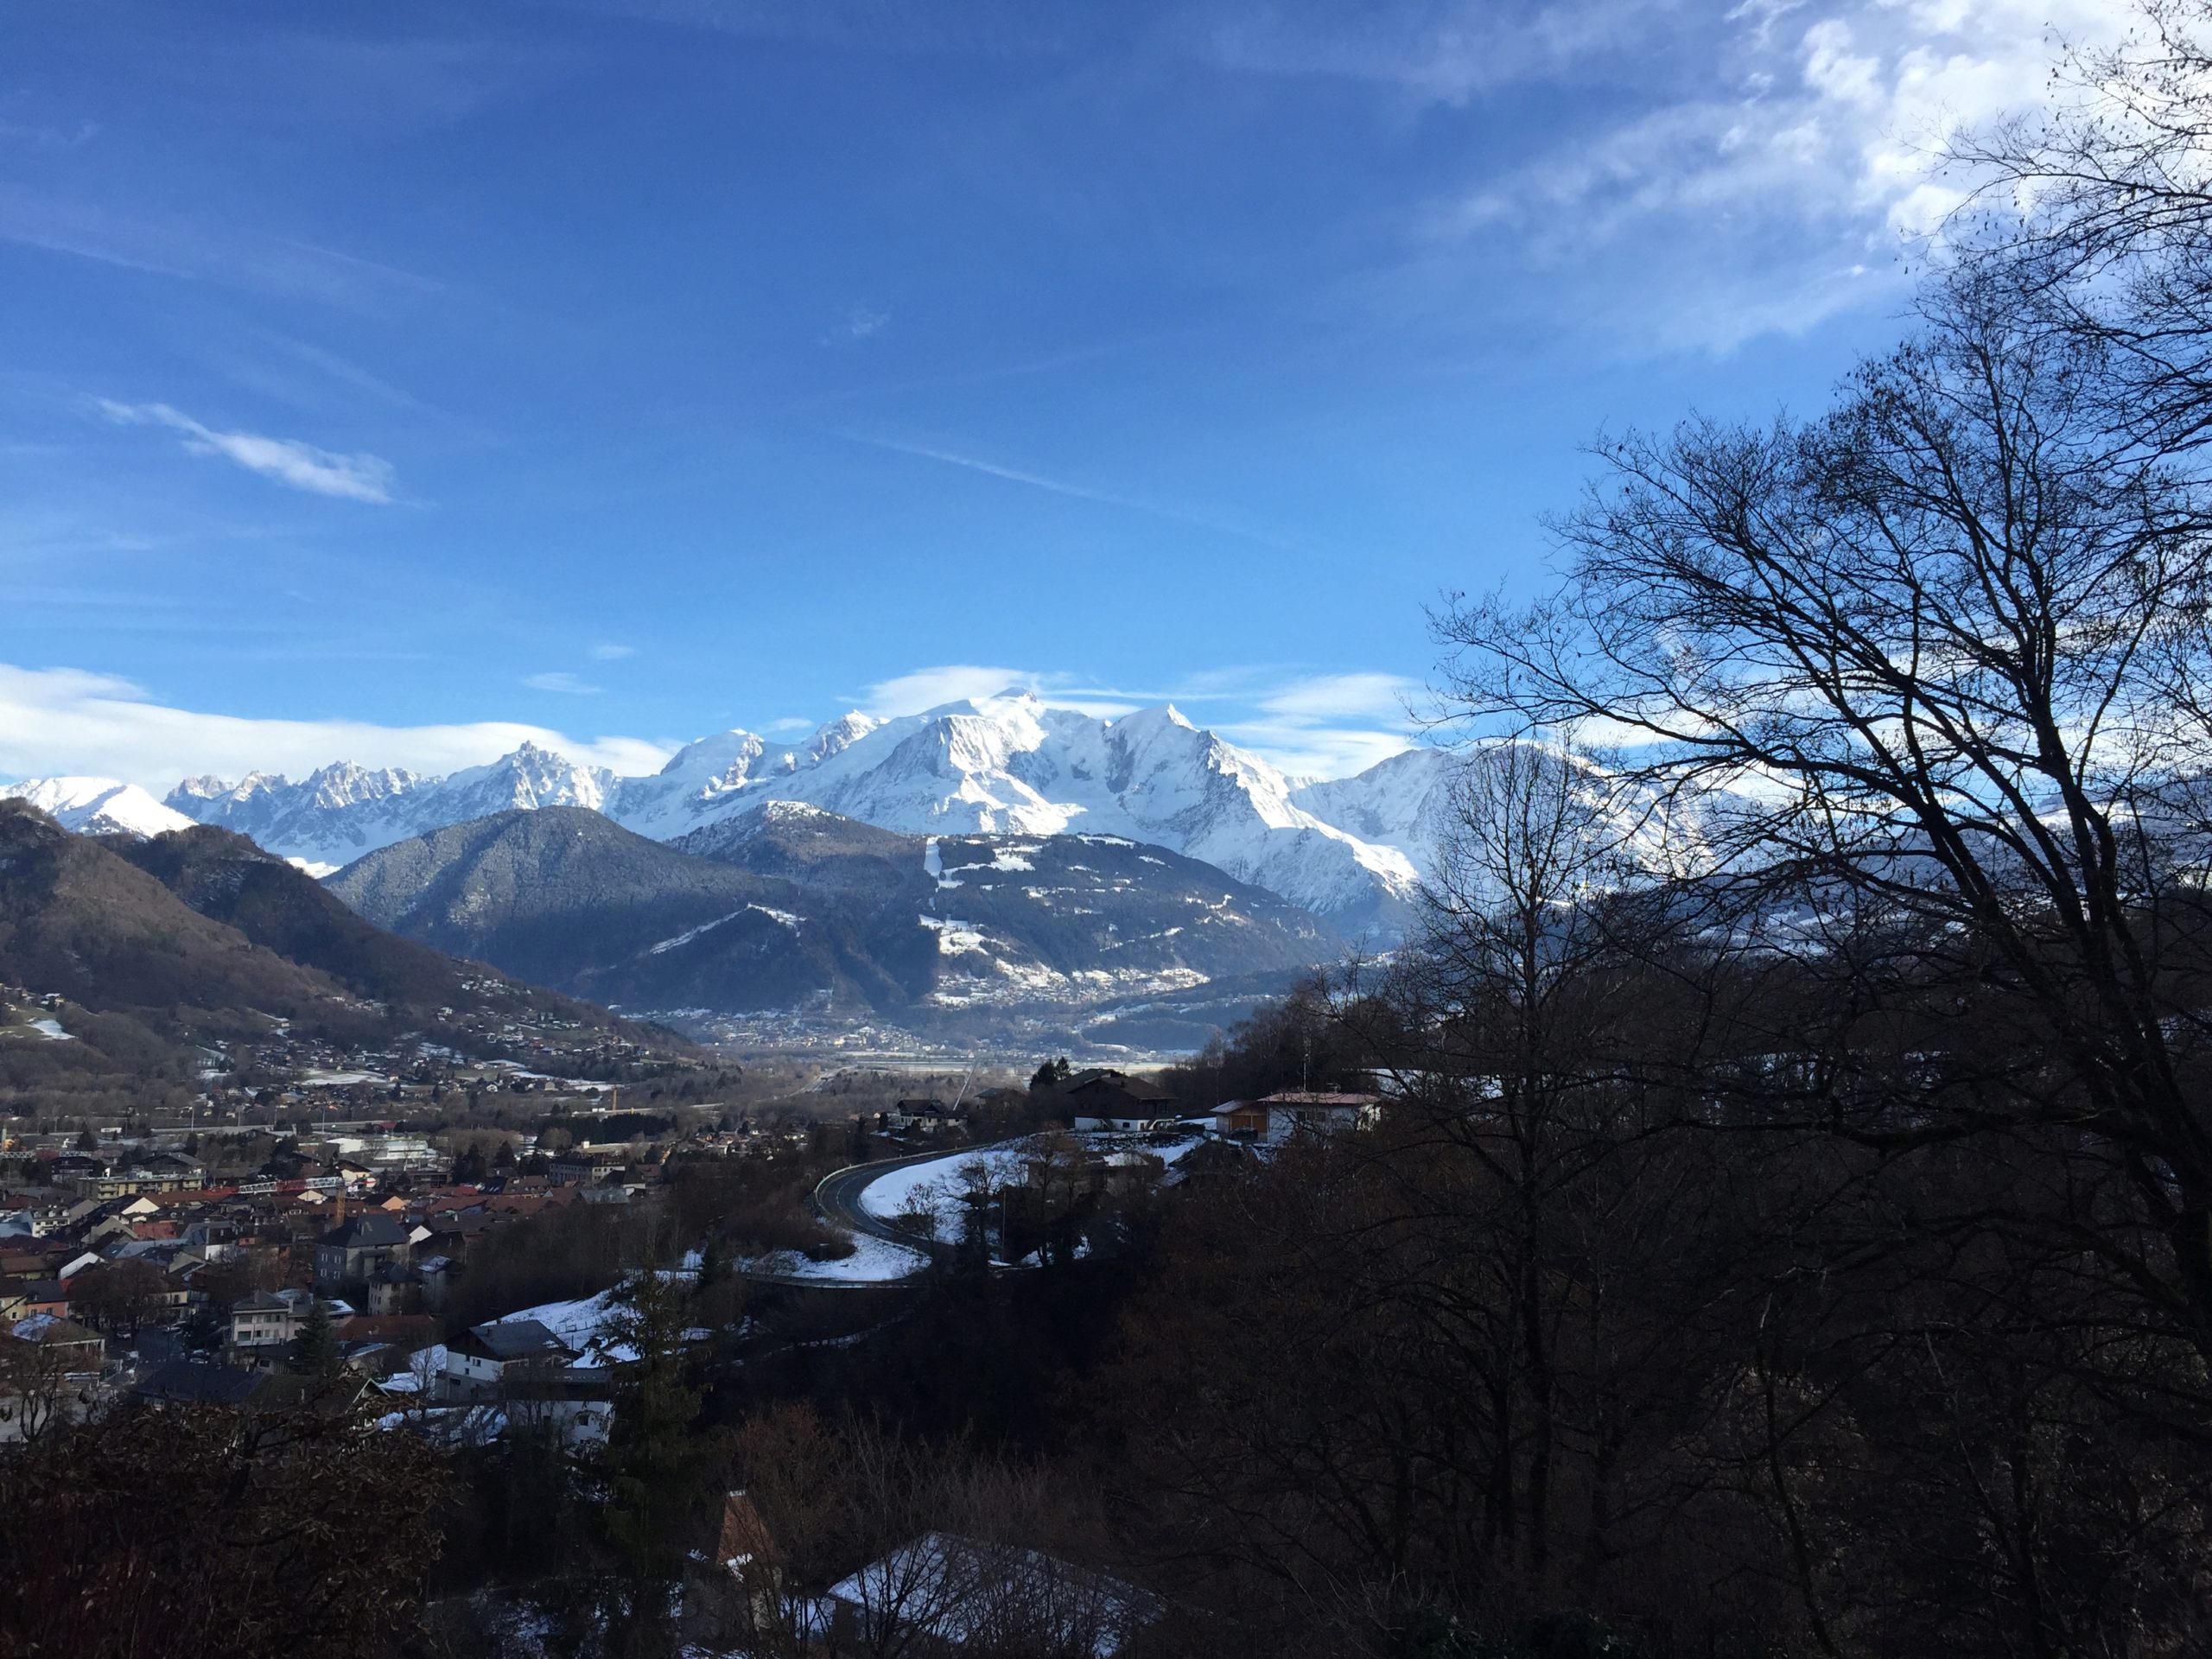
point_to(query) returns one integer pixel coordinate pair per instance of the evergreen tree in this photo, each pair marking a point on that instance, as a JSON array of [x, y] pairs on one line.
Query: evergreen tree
[[652, 1472], [314, 1351], [86, 1140], [713, 1262]]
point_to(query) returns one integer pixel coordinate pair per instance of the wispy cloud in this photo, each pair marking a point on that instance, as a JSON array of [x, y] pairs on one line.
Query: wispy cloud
[[68, 720], [1433, 51], [1071, 488], [287, 461], [39, 135], [994, 469], [860, 323], [925, 688], [167, 244], [567, 684], [612, 653]]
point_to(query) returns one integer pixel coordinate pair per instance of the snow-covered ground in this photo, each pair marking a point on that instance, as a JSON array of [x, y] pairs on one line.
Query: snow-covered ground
[[579, 1324], [51, 1030], [936, 1186], [873, 1260], [423, 1362]]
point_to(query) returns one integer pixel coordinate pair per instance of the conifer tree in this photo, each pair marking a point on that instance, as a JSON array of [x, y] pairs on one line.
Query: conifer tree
[[314, 1351], [652, 1474]]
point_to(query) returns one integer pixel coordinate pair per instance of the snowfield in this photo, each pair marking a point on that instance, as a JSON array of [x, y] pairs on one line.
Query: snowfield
[[875, 1261], [936, 1186], [579, 1324]]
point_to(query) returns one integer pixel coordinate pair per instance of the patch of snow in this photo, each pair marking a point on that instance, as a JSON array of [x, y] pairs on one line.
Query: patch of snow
[[686, 937], [51, 1030], [954, 938], [873, 1260], [935, 1186]]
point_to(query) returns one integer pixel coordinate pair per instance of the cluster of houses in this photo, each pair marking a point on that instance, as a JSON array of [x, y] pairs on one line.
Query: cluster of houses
[[139, 1277], [1107, 1102]]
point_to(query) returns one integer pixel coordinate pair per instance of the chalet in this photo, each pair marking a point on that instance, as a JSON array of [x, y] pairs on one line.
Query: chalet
[[1103, 1100], [740, 1583], [943, 1593], [487, 1354], [924, 1117], [1277, 1118]]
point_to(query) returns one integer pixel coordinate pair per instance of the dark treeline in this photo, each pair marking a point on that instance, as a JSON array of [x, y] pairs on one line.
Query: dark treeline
[[1794, 1234]]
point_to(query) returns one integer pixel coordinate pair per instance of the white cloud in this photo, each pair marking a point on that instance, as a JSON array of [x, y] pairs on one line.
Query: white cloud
[[1330, 725], [1315, 751], [71, 722], [609, 653], [929, 688], [1333, 697], [789, 726], [67, 721], [566, 683], [1783, 180], [288, 461]]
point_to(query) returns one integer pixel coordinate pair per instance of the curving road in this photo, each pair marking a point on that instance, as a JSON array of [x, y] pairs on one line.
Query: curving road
[[837, 1202], [837, 1197]]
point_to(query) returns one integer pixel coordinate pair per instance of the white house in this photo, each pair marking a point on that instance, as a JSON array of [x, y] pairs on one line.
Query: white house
[[1279, 1117], [484, 1355]]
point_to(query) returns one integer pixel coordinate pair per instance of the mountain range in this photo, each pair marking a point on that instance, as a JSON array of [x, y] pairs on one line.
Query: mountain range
[[98, 806], [795, 908], [160, 943], [1351, 850]]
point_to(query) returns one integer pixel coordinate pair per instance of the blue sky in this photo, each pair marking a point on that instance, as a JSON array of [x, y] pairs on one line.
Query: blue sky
[[387, 382]]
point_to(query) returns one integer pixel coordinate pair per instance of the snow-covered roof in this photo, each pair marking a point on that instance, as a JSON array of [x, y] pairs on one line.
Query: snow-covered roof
[[962, 1591]]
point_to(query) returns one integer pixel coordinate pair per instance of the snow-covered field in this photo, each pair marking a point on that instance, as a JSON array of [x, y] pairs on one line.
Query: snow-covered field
[[937, 1186], [873, 1260], [51, 1030], [578, 1323]]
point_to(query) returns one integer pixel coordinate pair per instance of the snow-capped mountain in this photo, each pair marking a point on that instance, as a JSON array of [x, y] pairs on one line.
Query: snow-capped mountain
[[1404, 802], [1004, 765], [98, 806], [333, 815]]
